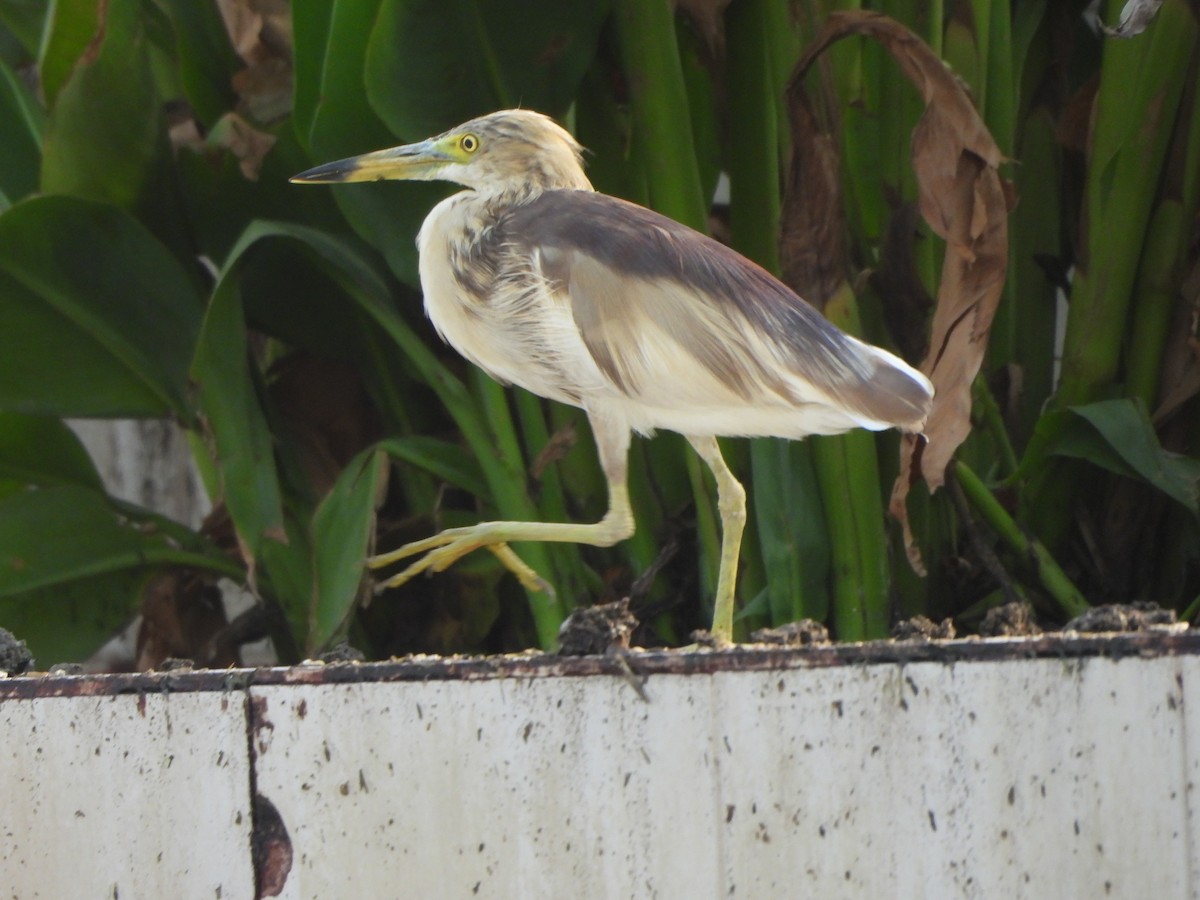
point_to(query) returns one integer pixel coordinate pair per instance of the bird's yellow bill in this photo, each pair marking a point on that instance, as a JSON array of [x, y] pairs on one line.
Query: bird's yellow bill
[[412, 162]]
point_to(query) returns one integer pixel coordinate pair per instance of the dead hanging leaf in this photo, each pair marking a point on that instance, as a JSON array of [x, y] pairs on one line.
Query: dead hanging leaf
[[248, 145], [1181, 360], [709, 18], [965, 201], [261, 34], [258, 29], [896, 281], [812, 240], [556, 448]]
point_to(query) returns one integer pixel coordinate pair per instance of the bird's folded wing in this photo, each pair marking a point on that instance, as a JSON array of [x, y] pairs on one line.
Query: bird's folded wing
[[673, 317]]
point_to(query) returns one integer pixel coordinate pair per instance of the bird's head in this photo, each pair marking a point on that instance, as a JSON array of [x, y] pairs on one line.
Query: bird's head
[[515, 150]]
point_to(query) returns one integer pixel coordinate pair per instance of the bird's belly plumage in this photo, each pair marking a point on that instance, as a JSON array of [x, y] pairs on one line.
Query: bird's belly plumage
[[516, 332]]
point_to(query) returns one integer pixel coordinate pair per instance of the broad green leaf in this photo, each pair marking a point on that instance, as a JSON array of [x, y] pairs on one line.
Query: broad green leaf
[[449, 462], [221, 201], [20, 137], [104, 132], [43, 451], [342, 529], [1129, 446], [207, 61], [290, 295], [342, 123], [432, 64], [232, 414], [1116, 435], [51, 536], [25, 19], [69, 622], [96, 317], [289, 570], [69, 31], [310, 37]]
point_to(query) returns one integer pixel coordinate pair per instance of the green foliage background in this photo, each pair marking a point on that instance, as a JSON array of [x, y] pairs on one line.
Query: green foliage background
[[154, 262]]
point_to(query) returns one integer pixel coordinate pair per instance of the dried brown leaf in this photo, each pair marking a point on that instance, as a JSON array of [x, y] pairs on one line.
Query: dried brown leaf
[[906, 302], [261, 34], [812, 240], [964, 200], [244, 141], [709, 18], [1181, 360], [258, 29], [556, 448]]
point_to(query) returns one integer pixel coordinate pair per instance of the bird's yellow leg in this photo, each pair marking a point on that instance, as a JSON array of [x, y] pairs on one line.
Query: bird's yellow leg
[[731, 502], [441, 551]]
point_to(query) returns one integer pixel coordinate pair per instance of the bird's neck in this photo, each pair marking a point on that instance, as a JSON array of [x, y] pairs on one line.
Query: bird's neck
[[537, 179]]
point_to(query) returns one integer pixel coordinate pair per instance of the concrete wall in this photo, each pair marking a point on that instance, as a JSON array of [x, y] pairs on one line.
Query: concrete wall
[[1056, 768]]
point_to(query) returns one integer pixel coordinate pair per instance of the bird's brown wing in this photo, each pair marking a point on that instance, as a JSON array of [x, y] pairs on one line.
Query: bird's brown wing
[[657, 302]]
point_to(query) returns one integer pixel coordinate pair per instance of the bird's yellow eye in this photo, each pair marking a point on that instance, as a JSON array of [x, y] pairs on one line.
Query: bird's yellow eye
[[469, 143]]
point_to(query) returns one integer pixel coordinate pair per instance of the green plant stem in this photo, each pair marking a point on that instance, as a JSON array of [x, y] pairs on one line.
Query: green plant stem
[[1140, 88], [504, 459], [986, 404], [848, 474], [1051, 575], [1157, 282], [659, 102]]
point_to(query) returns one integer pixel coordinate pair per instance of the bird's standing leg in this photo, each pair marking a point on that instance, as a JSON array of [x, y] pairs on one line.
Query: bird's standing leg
[[444, 549], [731, 502]]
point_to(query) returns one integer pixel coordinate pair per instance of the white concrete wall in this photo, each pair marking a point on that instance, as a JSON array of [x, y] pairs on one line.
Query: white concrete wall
[[147, 462], [1029, 778]]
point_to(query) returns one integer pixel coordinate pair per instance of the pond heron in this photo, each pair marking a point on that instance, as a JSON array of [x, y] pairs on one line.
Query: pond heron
[[634, 318]]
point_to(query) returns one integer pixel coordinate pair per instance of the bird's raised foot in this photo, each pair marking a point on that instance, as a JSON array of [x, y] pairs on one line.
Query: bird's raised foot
[[441, 551]]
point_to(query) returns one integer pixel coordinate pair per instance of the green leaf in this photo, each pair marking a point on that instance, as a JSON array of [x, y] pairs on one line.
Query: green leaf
[[449, 462], [342, 121], [1116, 435], [342, 528], [221, 202], [791, 525], [26, 20], [50, 536], [1129, 446], [207, 61], [43, 451], [289, 571], [433, 64], [70, 29], [233, 415], [69, 622], [20, 138], [85, 283], [310, 37], [336, 120], [103, 134]]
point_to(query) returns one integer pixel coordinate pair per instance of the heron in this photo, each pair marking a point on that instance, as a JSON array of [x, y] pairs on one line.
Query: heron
[[634, 318]]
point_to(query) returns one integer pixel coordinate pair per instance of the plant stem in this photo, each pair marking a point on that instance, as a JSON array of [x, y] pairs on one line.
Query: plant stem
[[1053, 578]]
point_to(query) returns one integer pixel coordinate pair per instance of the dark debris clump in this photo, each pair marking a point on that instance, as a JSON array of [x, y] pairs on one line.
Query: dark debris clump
[[596, 630], [1124, 617], [922, 628], [804, 633], [1014, 619], [15, 658]]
